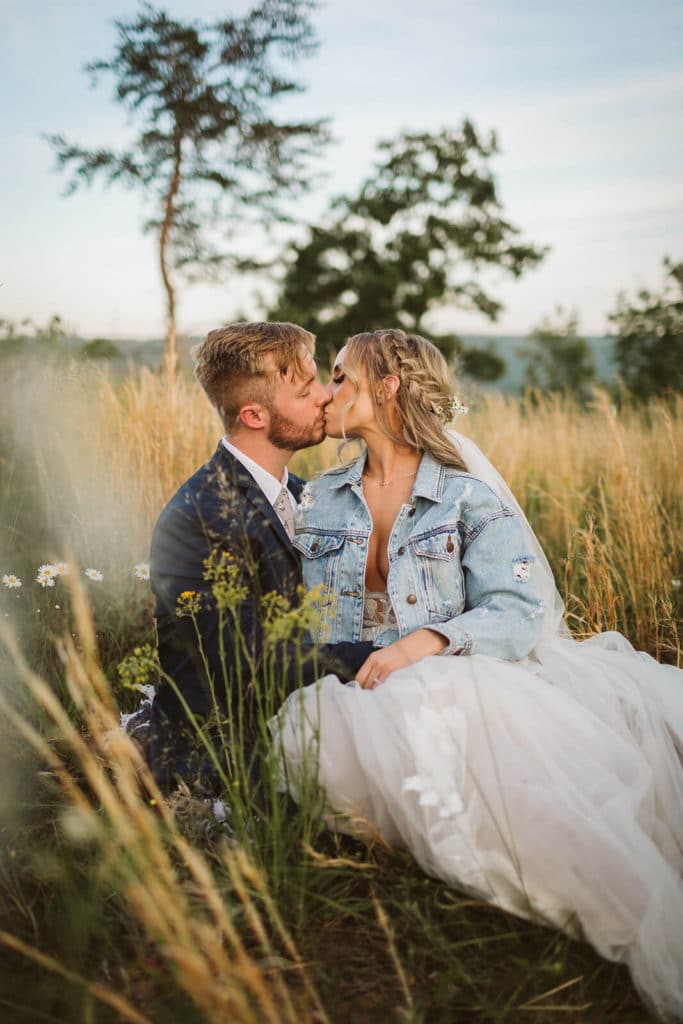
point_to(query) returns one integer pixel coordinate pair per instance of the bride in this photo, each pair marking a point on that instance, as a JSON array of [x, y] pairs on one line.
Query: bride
[[535, 772]]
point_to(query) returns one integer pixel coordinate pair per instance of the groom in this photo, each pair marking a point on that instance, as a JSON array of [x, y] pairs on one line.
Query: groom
[[234, 519]]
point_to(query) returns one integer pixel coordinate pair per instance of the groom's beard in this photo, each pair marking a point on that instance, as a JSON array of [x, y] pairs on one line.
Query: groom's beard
[[286, 435]]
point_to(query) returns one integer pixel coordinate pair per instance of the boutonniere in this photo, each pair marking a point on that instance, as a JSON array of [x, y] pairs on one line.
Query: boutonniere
[[306, 500]]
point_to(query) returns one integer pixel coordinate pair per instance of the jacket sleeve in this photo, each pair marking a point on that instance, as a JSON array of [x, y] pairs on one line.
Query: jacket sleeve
[[190, 637], [503, 609]]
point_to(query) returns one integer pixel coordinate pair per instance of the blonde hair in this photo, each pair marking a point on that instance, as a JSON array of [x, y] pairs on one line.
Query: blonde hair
[[424, 393], [240, 363]]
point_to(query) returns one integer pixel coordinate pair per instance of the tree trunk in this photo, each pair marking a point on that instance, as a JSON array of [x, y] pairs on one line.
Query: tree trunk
[[171, 355]]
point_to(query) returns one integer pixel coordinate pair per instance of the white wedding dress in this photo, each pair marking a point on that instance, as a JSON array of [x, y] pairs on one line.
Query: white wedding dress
[[552, 787]]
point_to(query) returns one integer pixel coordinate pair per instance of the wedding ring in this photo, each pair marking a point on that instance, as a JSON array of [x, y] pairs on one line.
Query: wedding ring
[[376, 680]]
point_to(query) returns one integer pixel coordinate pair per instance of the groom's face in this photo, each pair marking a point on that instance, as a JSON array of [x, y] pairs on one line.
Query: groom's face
[[297, 411]]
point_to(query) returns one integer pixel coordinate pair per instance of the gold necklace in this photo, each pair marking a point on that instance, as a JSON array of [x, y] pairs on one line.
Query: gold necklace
[[386, 483]]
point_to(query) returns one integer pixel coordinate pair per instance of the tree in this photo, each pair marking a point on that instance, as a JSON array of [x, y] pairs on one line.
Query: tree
[[414, 237], [479, 363], [27, 336], [557, 358], [12, 337], [99, 348], [649, 345], [207, 149], [483, 364]]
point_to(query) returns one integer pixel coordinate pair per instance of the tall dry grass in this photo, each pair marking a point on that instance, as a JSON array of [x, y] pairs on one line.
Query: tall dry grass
[[602, 486], [88, 466], [231, 954]]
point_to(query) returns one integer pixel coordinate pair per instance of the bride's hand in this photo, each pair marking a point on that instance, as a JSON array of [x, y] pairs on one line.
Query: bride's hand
[[405, 651]]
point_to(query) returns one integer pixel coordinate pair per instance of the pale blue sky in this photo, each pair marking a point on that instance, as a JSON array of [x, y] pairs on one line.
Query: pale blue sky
[[587, 99]]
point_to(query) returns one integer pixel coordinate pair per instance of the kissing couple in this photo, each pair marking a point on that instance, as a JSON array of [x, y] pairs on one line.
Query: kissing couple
[[438, 697]]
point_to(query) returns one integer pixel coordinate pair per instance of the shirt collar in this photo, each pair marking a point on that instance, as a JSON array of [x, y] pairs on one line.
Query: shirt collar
[[269, 484], [429, 482]]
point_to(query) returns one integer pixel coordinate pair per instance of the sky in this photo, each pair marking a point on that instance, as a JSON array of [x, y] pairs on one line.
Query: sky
[[586, 99]]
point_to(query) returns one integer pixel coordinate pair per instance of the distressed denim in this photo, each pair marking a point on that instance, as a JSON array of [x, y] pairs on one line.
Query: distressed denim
[[458, 562]]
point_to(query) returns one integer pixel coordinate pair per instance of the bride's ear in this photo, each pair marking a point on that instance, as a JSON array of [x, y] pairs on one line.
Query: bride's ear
[[390, 385]]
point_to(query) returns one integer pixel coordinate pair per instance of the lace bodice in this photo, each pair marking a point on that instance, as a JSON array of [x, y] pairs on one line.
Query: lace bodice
[[378, 614]]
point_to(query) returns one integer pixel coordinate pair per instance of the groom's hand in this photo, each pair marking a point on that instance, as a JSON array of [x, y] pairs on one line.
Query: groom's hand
[[406, 651]]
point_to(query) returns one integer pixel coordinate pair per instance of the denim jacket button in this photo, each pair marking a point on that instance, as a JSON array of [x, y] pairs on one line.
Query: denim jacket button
[[315, 545], [412, 511], [412, 599], [401, 551]]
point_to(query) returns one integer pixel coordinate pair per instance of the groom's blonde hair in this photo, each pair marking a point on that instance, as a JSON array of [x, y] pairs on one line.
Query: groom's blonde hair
[[241, 363]]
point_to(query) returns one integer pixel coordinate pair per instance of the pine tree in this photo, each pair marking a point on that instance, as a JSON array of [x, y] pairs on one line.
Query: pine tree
[[207, 150]]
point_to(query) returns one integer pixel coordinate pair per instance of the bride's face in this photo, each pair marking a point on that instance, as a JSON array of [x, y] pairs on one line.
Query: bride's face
[[351, 410]]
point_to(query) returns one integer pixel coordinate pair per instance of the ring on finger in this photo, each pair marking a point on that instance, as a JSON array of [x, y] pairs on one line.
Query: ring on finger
[[376, 680]]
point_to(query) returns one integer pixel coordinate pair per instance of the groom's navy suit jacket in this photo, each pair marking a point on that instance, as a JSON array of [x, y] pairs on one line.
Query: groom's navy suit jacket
[[221, 509]]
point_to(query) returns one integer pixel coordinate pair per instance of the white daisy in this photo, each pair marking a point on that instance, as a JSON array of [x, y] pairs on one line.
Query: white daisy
[[45, 577], [48, 569], [142, 570], [95, 575], [11, 581], [63, 569]]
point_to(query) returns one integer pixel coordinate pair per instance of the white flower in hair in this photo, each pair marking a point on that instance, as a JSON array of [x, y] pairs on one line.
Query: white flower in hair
[[452, 408]]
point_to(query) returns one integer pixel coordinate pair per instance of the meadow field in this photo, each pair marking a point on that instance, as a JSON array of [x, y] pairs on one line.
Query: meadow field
[[118, 905]]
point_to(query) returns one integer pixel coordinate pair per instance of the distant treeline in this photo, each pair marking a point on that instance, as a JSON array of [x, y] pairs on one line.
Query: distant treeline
[[643, 357], [507, 348]]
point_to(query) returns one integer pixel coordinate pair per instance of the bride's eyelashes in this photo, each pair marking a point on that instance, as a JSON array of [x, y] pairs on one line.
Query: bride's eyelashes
[[340, 379]]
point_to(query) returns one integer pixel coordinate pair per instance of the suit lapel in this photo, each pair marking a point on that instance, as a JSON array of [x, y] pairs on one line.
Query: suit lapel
[[253, 494], [296, 486]]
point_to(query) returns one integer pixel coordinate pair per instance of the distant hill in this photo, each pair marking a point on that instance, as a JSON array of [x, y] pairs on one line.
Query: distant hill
[[150, 353], [506, 346]]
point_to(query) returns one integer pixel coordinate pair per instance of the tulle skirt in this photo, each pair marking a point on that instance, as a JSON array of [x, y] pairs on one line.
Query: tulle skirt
[[552, 788]]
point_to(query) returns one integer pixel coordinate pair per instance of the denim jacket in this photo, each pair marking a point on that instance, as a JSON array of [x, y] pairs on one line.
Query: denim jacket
[[458, 561]]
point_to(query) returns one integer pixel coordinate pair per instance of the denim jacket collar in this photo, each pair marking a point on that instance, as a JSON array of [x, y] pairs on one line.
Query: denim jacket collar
[[429, 482]]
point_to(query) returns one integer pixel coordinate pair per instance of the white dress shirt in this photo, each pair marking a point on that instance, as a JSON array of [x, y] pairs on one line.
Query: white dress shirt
[[269, 484]]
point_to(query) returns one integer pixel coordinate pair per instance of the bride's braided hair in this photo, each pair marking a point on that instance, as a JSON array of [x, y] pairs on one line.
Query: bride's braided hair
[[424, 392]]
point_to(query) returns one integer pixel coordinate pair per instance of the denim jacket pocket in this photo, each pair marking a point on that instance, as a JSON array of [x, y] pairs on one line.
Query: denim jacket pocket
[[438, 565], [317, 545], [322, 553]]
